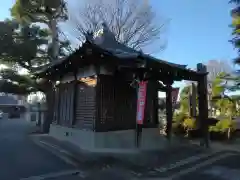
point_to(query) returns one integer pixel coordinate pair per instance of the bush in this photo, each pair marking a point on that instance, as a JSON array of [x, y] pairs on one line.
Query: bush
[[219, 129], [225, 127], [189, 124], [178, 128], [178, 119]]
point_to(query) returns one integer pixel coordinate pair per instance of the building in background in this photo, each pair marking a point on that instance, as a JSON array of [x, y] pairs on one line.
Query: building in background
[[12, 105]]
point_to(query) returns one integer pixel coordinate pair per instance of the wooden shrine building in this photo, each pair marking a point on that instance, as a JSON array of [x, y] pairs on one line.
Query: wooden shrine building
[[95, 96]]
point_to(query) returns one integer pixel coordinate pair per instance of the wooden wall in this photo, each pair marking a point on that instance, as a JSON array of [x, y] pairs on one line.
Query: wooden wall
[[117, 102], [63, 104], [85, 107], [126, 104], [108, 106], [84, 114], [56, 106]]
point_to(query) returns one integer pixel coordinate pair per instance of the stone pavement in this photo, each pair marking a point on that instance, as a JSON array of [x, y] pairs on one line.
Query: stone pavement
[[173, 163]]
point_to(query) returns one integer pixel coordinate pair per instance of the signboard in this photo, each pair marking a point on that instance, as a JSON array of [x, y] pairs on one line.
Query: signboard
[[141, 101]]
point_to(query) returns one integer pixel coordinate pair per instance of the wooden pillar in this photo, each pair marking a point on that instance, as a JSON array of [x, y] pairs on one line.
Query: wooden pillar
[[193, 98], [203, 104], [48, 119], [169, 110], [38, 114], [59, 104], [75, 98], [155, 105]]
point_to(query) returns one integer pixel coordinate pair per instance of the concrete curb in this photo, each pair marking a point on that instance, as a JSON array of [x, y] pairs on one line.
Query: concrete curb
[[119, 151]]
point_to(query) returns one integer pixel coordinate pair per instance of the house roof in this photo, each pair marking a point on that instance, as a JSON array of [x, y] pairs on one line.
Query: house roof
[[106, 43]]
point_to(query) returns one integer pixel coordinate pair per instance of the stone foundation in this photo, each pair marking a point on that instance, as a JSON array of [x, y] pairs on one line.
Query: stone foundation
[[112, 141]]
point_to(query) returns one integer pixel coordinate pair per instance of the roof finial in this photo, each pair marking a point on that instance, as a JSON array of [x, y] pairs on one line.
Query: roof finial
[[107, 33]]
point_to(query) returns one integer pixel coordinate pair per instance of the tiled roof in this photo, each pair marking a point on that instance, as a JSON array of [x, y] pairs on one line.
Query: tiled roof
[[107, 42]]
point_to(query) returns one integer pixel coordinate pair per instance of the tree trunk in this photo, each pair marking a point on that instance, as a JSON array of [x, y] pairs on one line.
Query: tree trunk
[[49, 111], [55, 39]]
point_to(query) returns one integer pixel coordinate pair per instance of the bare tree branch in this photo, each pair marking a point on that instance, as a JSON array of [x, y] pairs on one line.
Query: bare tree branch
[[133, 22], [215, 67]]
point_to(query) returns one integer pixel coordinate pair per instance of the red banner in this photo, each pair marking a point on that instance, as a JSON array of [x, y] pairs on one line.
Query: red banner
[[141, 101]]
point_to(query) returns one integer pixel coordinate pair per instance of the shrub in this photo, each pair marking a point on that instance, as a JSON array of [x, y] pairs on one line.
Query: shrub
[[189, 124], [178, 119], [178, 128], [225, 126]]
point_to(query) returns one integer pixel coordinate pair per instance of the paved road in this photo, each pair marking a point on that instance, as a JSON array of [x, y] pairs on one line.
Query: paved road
[[222, 167], [20, 157]]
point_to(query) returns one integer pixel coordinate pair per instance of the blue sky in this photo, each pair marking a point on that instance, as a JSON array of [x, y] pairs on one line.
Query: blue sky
[[198, 30], [4, 8]]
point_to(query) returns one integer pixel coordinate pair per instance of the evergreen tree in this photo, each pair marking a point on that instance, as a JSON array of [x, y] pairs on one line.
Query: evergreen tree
[[49, 13]]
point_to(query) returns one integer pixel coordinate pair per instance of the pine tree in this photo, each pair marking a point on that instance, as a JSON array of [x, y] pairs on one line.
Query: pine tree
[[46, 12], [235, 13]]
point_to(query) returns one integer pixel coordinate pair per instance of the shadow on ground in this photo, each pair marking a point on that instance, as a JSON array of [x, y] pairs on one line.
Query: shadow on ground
[[140, 164]]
